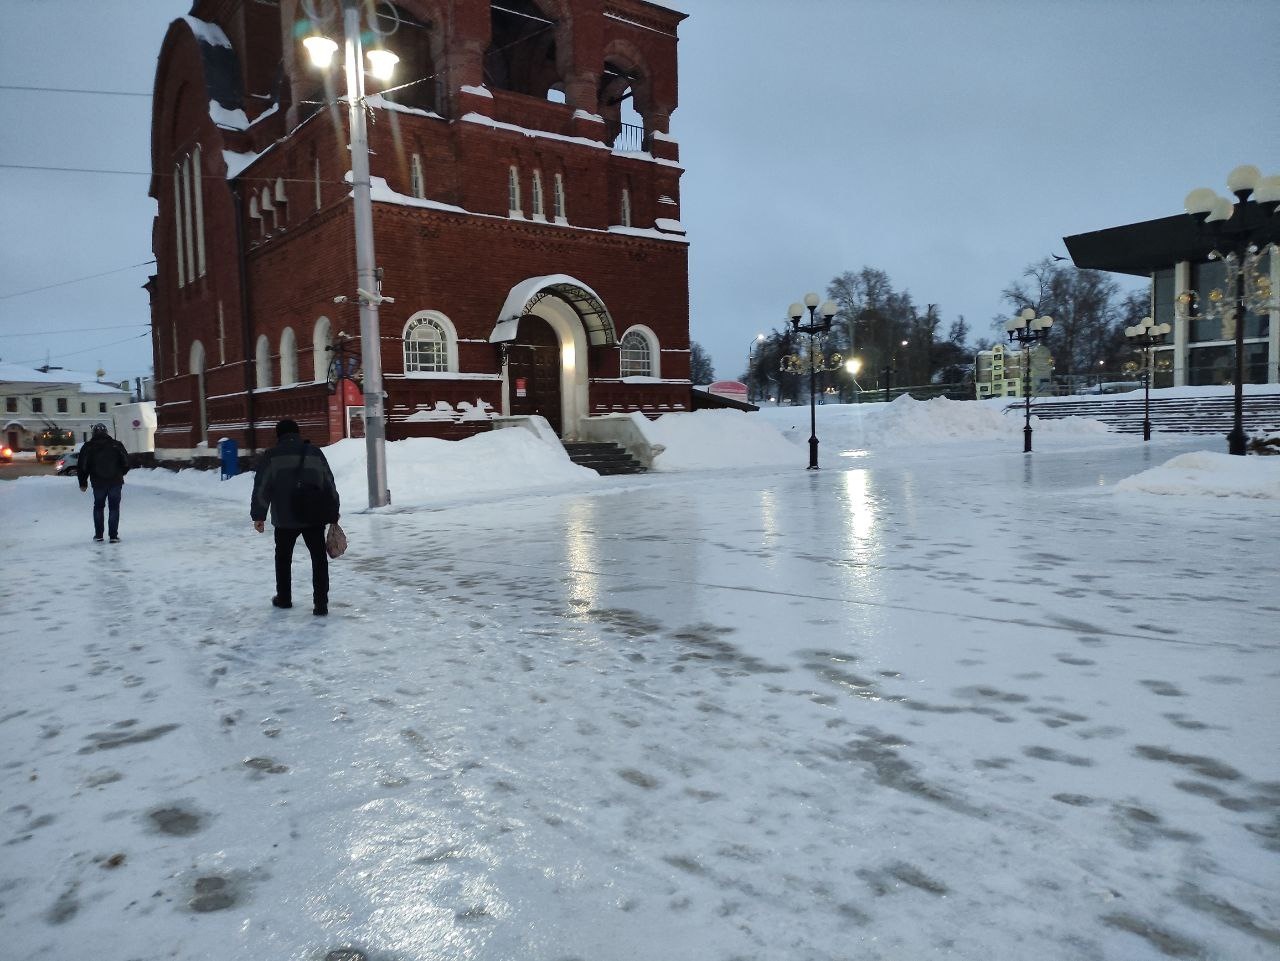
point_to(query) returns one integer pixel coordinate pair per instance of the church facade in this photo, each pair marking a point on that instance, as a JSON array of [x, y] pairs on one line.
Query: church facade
[[526, 215]]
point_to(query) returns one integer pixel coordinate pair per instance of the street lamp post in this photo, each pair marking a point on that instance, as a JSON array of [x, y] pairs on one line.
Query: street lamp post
[[368, 287], [813, 360], [1241, 233], [1027, 329], [751, 374], [1146, 335]]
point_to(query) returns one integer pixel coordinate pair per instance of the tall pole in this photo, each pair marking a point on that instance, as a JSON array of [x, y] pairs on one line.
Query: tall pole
[[1146, 394], [1236, 440], [813, 414], [366, 272], [1026, 390]]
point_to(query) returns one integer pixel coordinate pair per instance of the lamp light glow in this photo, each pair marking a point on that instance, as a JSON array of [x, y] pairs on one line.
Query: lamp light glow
[[382, 63], [321, 50]]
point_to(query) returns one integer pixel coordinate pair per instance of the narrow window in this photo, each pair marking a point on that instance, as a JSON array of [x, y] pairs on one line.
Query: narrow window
[[11, 405], [557, 198], [177, 224], [102, 407], [269, 204], [84, 408], [282, 201], [538, 212], [513, 192], [316, 165], [62, 405], [197, 177], [188, 229], [255, 214], [37, 405], [416, 185], [626, 206]]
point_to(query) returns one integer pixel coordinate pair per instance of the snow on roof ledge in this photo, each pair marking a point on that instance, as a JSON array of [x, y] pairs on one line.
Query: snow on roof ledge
[[206, 32]]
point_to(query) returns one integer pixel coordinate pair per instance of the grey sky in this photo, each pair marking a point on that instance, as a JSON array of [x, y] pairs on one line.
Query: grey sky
[[947, 142]]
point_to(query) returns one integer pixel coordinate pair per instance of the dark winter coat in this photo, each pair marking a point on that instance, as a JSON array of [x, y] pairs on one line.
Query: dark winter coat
[[277, 475], [103, 461]]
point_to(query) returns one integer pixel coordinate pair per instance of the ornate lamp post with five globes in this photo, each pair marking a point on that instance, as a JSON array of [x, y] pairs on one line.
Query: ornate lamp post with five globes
[[812, 360]]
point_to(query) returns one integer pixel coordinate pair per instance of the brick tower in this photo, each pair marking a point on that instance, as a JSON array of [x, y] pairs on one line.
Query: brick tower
[[529, 235]]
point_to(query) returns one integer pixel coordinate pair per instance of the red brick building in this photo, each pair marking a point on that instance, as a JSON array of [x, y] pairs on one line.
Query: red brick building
[[530, 238]]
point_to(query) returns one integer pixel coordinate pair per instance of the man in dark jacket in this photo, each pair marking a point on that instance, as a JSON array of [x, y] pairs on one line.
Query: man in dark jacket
[[279, 472], [104, 461]]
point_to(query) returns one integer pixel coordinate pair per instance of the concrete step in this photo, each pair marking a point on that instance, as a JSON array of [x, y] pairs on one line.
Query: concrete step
[[604, 459]]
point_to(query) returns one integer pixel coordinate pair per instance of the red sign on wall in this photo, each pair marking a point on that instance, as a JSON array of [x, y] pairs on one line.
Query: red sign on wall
[[521, 387]]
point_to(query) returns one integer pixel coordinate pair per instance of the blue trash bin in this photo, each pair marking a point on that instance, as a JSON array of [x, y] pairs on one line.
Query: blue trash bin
[[229, 452]]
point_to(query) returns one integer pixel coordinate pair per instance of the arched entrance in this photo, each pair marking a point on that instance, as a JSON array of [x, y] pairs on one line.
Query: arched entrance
[[546, 325], [533, 372]]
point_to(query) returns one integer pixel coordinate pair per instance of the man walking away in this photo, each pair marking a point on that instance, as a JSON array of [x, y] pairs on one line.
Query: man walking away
[[291, 464], [104, 462]]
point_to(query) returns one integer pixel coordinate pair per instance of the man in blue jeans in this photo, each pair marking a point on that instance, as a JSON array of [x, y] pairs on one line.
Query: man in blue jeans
[[104, 462]]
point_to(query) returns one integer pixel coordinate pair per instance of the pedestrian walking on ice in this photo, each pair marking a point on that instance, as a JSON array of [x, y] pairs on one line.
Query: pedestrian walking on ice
[[294, 483], [103, 462]]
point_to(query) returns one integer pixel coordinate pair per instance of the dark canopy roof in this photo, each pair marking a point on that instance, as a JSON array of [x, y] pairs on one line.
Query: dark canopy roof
[[1144, 247]]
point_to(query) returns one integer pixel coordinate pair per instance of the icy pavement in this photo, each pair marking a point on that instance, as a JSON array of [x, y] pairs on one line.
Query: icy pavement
[[978, 706]]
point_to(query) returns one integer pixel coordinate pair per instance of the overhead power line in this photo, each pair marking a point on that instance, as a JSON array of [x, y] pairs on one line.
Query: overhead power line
[[103, 93], [74, 330], [63, 283]]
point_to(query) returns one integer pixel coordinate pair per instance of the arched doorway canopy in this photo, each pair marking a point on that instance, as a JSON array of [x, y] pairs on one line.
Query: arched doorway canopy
[[586, 303]]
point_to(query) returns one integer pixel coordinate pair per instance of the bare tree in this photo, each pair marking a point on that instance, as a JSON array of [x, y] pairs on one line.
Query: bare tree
[[1082, 304]]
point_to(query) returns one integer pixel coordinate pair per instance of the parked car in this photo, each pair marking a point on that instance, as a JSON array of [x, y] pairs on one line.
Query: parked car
[[66, 464], [6, 454]]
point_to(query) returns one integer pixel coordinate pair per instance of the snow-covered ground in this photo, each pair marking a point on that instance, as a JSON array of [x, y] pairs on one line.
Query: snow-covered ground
[[937, 700]]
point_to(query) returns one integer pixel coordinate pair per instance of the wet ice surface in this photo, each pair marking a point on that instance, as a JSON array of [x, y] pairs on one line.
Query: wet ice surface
[[961, 707]]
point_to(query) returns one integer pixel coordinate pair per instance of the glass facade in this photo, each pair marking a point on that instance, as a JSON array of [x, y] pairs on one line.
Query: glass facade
[[1217, 364]]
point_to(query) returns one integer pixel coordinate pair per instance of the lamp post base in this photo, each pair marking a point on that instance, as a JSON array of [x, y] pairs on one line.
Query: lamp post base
[[813, 454], [1146, 430], [1237, 442], [1026, 440]]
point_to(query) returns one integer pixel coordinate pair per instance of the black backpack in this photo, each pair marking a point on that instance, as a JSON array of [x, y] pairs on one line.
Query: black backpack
[[312, 504]]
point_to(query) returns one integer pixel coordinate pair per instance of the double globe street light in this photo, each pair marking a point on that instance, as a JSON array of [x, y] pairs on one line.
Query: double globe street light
[[1242, 235], [1027, 329], [368, 287], [812, 360], [1145, 336]]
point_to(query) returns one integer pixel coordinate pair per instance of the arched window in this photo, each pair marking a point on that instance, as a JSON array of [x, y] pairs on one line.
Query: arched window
[[430, 344], [539, 211], [626, 206], [321, 341], [557, 199], [177, 224], [263, 358], [288, 357], [513, 192], [197, 184], [639, 350]]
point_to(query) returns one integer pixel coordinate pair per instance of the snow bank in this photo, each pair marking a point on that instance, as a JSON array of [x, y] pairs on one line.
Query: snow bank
[[1210, 474], [907, 421], [420, 471], [716, 438]]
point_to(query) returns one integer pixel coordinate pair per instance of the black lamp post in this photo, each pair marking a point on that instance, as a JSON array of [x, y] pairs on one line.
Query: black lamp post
[[813, 360], [751, 374], [1027, 329], [1146, 335], [1236, 232]]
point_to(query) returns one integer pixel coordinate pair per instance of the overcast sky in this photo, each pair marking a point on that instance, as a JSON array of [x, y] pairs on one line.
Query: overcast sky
[[947, 142]]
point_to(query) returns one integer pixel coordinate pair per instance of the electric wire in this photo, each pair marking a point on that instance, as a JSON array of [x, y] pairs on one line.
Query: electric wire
[[76, 280]]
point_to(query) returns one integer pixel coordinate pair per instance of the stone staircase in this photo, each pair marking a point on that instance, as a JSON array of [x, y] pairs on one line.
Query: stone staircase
[[1185, 415], [603, 458]]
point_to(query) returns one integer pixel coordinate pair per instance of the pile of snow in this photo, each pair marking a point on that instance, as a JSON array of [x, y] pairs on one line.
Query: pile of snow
[[420, 471], [907, 421], [716, 438], [1210, 474]]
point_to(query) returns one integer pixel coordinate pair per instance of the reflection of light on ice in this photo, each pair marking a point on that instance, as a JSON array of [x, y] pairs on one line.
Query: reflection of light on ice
[[581, 541], [858, 514]]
